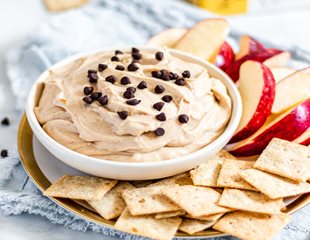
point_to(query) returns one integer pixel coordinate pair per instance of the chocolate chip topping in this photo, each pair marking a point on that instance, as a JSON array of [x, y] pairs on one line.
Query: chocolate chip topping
[[164, 75], [88, 90], [93, 77], [135, 61], [136, 55], [118, 52], [5, 122], [111, 79], [88, 99], [132, 67], [120, 67], [159, 132], [103, 100], [131, 89], [115, 59], [156, 74], [158, 106], [180, 82], [167, 98], [159, 89], [102, 67], [135, 50], [123, 115], [4, 153], [186, 74], [161, 117], [125, 80], [173, 76], [133, 102], [91, 71], [142, 85], [183, 118], [95, 95], [159, 56], [128, 94]]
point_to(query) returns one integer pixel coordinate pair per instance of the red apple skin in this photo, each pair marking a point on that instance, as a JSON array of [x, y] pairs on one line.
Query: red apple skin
[[225, 57], [263, 109], [306, 142], [288, 128], [253, 46]]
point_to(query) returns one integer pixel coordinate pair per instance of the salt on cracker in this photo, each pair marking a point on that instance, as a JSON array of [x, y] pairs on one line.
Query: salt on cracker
[[148, 200], [249, 226], [179, 179], [229, 174], [210, 218], [169, 214], [251, 201], [192, 226], [272, 185], [286, 159], [112, 204], [197, 201], [148, 226], [80, 187], [60, 5]]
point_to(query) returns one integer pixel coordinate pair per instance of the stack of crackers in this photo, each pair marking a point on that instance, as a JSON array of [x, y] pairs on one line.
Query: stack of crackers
[[241, 198]]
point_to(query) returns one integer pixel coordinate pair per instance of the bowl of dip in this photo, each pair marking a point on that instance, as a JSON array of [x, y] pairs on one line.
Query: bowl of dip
[[133, 113]]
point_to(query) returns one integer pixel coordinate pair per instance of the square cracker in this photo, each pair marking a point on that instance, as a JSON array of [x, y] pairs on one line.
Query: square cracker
[[249, 226], [112, 204], [179, 179], [60, 5], [272, 185], [148, 200], [80, 187], [192, 226], [196, 201], [169, 214], [251, 201], [229, 174], [286, 159], [210, 218], [148, 226]]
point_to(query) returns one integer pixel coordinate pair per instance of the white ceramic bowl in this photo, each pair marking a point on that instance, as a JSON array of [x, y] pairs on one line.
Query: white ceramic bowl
[[128, 170]]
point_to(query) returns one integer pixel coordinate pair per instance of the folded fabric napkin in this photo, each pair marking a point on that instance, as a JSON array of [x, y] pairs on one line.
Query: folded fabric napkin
[[100, 24]]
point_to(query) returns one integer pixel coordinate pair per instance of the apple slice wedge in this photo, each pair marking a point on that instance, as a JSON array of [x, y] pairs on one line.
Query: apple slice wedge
[[280, 73], [257, 90], [225, 56], [304, 138], [205, 38], [291, 90], [166, 38], [277, 59], [288, 126], [248, 45]]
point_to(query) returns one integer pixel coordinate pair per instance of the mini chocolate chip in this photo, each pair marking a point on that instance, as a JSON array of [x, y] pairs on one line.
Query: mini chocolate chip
[[174, 76], [159, 56], [95, 95], [180, 82], [156, 74], [102, 67], [136, 56], [115, 59], [120, 67], [88, 99], [4, 153], [135, 61], [164, 75], [88, 90], [103, 100], [93, 77], [159, 89], [91, 71], [123, 115], [5, 122], [125, 80], [133, 102], [111, 79], [186, 74], [167, 98], [131, 89], [128, 94], [142, 85], [183, 118], [159, 132], [161, 117], [135, 50], [118, 52], [132, 67], [159, 105]]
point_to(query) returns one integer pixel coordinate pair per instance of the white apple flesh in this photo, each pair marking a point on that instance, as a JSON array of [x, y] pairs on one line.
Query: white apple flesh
[[304, 138], [248, 45], [280, 73], [277, 60], [166, 38]]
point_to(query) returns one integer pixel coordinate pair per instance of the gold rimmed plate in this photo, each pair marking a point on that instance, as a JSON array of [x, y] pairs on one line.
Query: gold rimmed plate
[[43, 168]]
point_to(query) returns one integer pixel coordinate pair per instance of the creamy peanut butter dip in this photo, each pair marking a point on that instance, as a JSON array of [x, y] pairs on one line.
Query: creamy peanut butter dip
[[85, 106]]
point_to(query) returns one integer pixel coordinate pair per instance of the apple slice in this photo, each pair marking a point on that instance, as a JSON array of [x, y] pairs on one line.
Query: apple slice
[[205, 38], [304, 138], [166, 38], [291, 90], [280, 73], [225, 56], [248, 45], [288, 126], [278, 59], [257, 90]]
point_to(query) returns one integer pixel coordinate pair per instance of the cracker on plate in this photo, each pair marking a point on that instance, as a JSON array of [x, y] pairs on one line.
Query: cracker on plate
[[229, 174], [60, 5], [80, 187], [286, 159], [180, 179], [112, 204], [210, 218], [148, 200], [272, 185], [148, 226], [170, 214], [249, 226], [197, 201], [192, 226], [251, 201]]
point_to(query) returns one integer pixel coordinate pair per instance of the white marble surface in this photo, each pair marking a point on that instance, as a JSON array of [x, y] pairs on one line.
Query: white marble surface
[[18, 18]]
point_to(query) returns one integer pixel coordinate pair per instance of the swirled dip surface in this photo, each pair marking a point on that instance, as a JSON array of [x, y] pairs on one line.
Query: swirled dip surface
[[115, 130]]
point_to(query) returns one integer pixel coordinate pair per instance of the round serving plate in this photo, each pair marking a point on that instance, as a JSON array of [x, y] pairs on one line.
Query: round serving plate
[[43, 168]]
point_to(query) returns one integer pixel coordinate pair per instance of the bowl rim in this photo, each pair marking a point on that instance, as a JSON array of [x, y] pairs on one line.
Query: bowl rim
[[229, 130]]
